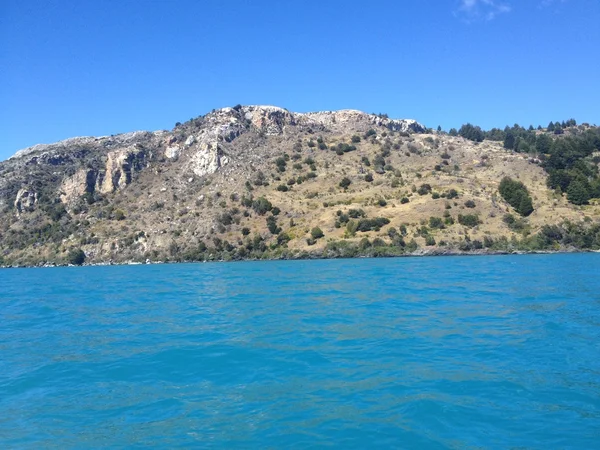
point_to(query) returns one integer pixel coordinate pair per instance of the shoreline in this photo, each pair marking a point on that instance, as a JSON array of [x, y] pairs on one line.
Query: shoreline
[[315, 256]]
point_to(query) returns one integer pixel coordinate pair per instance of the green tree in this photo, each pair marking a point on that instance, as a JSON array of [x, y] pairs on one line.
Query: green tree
[[471, 132], [509, 141], [316, 233], [516, 195], [543, 143], [76, 257], [261, 206], [468, 220], [578, 192]]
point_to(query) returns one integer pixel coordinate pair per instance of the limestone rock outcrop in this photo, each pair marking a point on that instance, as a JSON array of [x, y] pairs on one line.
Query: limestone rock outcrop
[[121, 166], [82, 182], [353, 118], [207, 158], [26, 200]]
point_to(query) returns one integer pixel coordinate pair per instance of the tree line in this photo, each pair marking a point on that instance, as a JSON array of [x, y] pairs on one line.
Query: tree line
[[571, 160]]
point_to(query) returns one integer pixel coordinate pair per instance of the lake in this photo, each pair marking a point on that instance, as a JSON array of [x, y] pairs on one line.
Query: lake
[[433, 352]]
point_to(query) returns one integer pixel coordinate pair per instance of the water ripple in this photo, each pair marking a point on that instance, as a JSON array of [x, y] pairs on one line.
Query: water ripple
[[455, 352]]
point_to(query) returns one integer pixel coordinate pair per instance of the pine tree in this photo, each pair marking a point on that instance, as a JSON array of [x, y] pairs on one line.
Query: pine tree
[[578, 192], [509, 141], [525, 206]]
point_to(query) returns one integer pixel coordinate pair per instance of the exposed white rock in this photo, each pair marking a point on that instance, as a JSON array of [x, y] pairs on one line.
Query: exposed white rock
[[77, 185], [346, 117], [118, 140], [206, 158], [120, 167], [26, 200], [173, 151], [190, 140]]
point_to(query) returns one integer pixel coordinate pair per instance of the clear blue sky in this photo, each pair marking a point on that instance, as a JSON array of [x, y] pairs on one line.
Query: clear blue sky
[[75, 68]]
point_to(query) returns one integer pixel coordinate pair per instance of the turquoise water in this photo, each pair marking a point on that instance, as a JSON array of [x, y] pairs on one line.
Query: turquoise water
[[446, 352]]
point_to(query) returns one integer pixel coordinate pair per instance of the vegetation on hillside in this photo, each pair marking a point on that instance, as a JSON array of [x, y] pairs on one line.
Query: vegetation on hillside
[[569, 154], [358, 191], [516, 195]]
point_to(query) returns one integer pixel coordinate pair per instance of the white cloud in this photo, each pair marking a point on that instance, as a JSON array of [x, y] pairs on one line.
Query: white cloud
[[472, 10]]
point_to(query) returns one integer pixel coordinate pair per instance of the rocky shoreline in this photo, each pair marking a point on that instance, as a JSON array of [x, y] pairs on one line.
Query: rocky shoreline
[[315, 256]]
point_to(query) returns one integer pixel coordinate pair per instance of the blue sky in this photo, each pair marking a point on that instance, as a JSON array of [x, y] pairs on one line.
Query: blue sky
[[77, 68]]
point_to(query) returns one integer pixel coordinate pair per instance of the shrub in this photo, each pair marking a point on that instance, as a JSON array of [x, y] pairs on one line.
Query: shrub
[[245, 231], [452, 193], [368, 178], [476, 245], [516, 195], [316, 233], [272, 225], [344, 148], [436, 222], [381, 202], [281, 164], [345, 183], [283, 238], [260, 179], [364, 243], [354, 213], [424, 189], [76, 257], [404, 200], [429, 240], [513, 223], [435, 196], [282, 188], [261, 206], [225, 219], [378, 242], [371, 224], [470, 204], [119, 214], [468, 220], [355, 139]]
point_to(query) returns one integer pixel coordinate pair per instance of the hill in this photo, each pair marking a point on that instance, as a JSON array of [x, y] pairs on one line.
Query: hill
[[263, 182]]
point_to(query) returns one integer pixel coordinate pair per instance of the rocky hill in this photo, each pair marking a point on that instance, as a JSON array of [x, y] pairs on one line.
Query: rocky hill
[[262, 182]]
